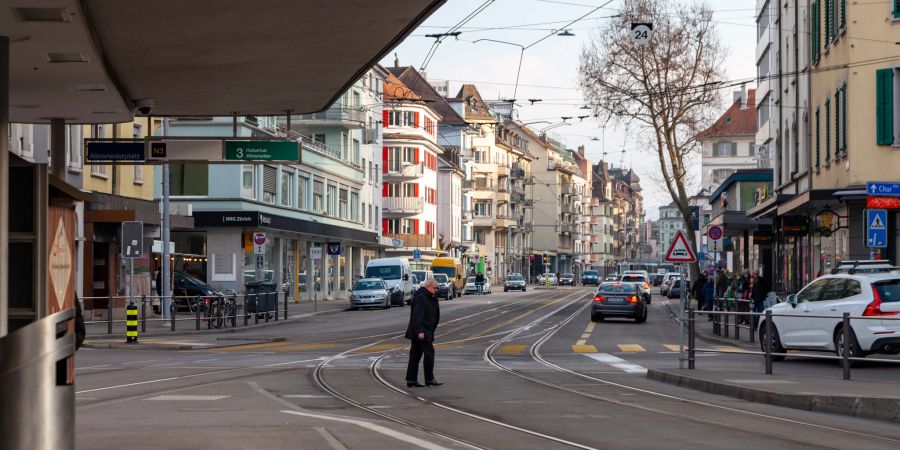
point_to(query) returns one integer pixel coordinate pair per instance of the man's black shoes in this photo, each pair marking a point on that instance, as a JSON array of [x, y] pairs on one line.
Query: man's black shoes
[[414, 384], [433, 383]]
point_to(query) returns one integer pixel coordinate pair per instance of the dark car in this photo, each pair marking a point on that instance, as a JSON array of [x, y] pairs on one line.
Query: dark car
[[188, 293], [514, 283], [617, 299], [567, 279], [446, 287], [590, 277], [657, 279]]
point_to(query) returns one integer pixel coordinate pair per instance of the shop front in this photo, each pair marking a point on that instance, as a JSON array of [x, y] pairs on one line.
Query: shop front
[[305, 259]]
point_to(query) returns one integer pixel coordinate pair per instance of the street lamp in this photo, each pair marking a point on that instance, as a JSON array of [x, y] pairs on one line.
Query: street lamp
[[521, 55]]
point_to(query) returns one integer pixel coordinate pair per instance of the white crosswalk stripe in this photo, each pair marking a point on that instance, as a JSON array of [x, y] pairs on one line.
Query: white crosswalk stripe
[[617, 362]]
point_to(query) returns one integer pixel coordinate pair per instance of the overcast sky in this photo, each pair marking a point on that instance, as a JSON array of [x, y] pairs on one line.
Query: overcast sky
[[549, 69]]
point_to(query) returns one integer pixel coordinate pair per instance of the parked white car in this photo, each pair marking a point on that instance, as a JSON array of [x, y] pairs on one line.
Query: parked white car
[[668, 279], [861, 288]]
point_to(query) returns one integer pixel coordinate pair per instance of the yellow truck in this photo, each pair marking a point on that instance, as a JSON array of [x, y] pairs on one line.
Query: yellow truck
[[454, 271]]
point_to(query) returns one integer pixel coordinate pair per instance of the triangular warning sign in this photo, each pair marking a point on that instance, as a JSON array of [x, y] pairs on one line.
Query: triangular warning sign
[[877, 223], [680, 250]]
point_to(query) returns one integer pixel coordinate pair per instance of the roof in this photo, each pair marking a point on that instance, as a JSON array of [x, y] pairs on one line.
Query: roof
[[421, 87], [396, 90], [741, 175], [88, 61], [475, 107], [735, 121]]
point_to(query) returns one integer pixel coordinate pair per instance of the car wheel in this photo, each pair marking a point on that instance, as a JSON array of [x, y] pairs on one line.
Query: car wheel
[[505, 289], [387, 304], [642, 318], [855, 350], [776, 341], [524, 289], [353, 308], [155, 309]]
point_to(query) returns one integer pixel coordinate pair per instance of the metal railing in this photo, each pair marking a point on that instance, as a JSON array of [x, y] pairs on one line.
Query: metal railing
[[197, 312], [403, 205], [721, 321], [405, 169]]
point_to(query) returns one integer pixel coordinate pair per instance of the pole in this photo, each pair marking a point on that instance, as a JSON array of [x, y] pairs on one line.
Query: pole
[[4, 184], [681, 322], [164, 258]]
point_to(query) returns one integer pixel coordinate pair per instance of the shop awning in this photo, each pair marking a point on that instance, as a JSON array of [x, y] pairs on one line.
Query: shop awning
[[807, 202], [735, 223]]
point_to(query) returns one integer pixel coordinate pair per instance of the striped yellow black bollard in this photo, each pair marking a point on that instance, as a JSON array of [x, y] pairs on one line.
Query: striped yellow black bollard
[[131, 324]]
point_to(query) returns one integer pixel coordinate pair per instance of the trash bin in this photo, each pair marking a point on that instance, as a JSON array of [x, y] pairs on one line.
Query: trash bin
[[266, 299]]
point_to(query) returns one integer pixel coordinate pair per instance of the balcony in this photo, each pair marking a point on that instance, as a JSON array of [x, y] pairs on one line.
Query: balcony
[[413, 240], [484, 168], [566, 208], [483, 222], [502, 171], [595, 237], [505, 221], [404, 171], [345, 116], [402, 206], [517, 197], [502, 197], [515, 189], [517, 173], [468, 185], [566, 228], [565, 188]]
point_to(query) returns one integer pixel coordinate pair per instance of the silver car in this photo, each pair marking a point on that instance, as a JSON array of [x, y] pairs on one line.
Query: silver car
[[369, 293]]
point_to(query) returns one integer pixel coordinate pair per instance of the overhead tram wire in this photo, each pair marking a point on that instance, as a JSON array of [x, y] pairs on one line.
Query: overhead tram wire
[[453, 31]]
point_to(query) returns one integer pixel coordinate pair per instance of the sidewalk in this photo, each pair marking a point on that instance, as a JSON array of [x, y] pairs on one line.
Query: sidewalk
[[186, 337], [867, 399]]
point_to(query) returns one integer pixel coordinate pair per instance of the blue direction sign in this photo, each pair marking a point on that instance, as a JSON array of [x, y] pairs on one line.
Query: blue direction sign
[[417, 254], [334, 249], [876, 228], [883, 189], [114, 151]]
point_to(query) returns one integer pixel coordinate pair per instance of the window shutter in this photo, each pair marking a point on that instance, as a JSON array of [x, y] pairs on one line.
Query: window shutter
[[416, 120], [416, 154], [884, 106], [384, 159], [818, 141], [385, 118], [384, 226], [270, 174], [837, 123], [843, 14], [827, 130], [385, 190], [844, 118], [415, 189], [415, 224], [828, 11]]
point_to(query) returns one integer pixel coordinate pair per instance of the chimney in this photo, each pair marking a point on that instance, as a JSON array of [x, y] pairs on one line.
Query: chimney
[[581, 150], [396, 60], [741, 96]]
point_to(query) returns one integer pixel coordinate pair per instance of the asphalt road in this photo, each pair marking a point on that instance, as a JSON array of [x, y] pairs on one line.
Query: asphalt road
[[521, 370]]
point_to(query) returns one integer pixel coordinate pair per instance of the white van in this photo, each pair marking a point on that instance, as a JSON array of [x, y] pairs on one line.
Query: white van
[[397, 277]]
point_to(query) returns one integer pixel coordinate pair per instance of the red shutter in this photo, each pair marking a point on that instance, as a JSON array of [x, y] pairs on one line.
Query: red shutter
[[415, 189], [384, 159], [415, 224], [416, 119], [385, 118], [384, 226], [416, 155], [384, 190]]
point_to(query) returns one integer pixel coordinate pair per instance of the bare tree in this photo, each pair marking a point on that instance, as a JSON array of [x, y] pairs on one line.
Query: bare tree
[[669, 87]]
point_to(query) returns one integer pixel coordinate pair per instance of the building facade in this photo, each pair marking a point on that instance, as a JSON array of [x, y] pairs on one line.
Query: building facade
[[729, 144]]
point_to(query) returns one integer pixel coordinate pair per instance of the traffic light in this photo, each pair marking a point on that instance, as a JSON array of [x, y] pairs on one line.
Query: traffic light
[[546, 259]]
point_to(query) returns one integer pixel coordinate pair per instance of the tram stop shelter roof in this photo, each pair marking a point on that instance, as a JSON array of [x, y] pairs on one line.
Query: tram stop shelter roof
[[91, 61]]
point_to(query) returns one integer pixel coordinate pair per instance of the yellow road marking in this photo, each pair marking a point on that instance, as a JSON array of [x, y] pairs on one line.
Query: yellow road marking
[[674, 347], [586, 335], [580, 348], [519, 317], [590, 327], [381, 348], [631, 348], [301, 347], [729, 348], [581, 342], [264, 345], [511, 349]]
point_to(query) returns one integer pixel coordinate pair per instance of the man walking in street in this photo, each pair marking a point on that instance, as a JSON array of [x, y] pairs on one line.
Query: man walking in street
[[759, 289], [423, 321]]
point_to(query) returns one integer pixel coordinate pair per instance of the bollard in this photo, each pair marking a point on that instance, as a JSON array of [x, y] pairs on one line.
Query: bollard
[[143, 314], [275, 305], [172, 310], [768, 343], [268, 312], [725, 326], [244, 309], [845, 350], [233, 303], [285, 305], [109, 312], [737, 328], [131, 324], [691, 336], [197, 313], [256, 309]]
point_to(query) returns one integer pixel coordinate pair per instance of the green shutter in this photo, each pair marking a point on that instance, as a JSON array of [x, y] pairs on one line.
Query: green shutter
[[843, 14], [884, 106], [827, 137], [837, 123], [844, 118], [818, 140], [897, 9], [828, 9], [817, 35]]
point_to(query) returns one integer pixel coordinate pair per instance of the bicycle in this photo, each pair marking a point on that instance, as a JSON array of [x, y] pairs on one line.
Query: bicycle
[[220, 310]]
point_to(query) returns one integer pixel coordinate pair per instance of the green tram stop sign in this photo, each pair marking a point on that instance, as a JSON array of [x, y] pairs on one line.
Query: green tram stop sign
[[262, 150]]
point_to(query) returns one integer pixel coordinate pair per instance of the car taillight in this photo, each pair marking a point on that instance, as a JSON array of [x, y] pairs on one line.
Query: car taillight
[[646, 286], [598, 298], [632, 299], [874, 308]]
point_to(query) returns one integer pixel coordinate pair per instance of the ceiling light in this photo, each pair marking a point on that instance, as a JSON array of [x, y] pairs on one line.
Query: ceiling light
[[65, 57], [26, 14], [565, 32]]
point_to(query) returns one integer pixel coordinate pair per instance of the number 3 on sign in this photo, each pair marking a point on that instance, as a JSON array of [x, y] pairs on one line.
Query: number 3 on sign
[[239, 153], [641, 32]]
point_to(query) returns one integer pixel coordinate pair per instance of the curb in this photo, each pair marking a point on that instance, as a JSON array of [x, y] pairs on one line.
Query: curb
[[139, 346], [249, 326], [711, 338], [887, 409]]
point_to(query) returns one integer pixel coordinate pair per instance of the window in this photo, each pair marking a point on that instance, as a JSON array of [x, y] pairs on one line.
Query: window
[[287, 187], [248, 181], [354, 207], [763, 111], [371, 217], [762, 22], [410, 190], [851, 288], [99, 171], [725, 149], [331, 200], [762, 66], [365, 173], [834, 290], [813, 292], [884, 104], [318, 196], [270, 183], [73, 146], [377, 216], [402, 118], [897, 9], [479, 237], [319, 137], [345, 146], [343, 207], [483, 209], [302, 190], [138, 169]]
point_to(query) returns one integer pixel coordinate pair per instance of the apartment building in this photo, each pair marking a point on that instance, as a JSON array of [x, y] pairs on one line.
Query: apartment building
[[669, 224], [627, 202], [583, 184], [602, 234], [729, 143]]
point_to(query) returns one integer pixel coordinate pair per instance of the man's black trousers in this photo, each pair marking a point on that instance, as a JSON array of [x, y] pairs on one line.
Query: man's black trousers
[[416, 350]]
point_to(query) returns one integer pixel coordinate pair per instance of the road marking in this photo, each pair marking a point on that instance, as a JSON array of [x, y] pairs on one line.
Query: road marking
[[729, 348], [301, 347], [138, 362], [206, 360], [305, 396], [582, 348], [331, 439], [511, 349], [590, 327], [586, 336], [92, 367], [265, 345], [631, 348], [380, 348], [674, 347], [190, 398], [617, 362]]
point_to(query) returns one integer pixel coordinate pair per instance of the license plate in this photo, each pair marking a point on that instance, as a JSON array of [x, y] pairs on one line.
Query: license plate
[[615, 300]]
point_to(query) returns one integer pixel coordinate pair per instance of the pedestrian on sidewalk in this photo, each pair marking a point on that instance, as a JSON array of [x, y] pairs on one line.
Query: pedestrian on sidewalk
[[759, 289], [709, 294], [697, 291], [423, 321]]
